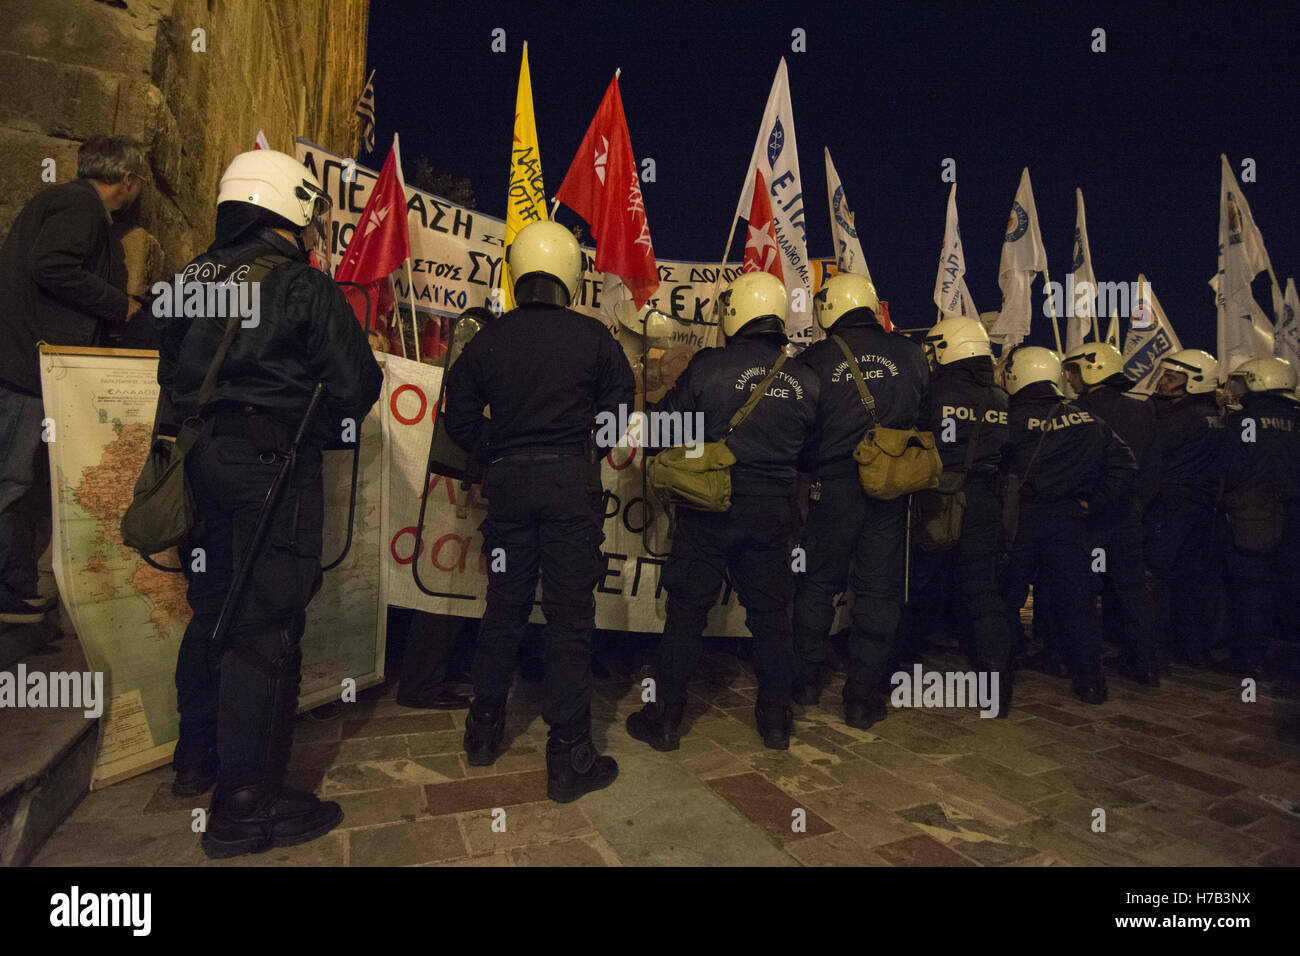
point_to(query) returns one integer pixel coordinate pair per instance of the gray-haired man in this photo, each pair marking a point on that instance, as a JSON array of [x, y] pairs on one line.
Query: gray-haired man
[[57, 285]]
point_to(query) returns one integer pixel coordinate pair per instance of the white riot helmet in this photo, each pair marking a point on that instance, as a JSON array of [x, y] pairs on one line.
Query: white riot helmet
[[955, 338], [646, 321], [545, 248], [841, 294], [1029, 364], [276, 182], [1267, 375], [1200, 367], [1097, 361], [752, 296]]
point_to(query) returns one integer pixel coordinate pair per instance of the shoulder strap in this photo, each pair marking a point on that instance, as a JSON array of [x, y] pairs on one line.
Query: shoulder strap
[[743, 412], [864, 393], [973, 443], [259, 269]]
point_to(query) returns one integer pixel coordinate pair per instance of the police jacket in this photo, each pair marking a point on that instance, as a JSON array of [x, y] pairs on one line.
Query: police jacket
[[546, 372], [57, 281], [305, 332], [1262, 445], [1188, 448], [896, 373], [1080, 458], [768, 443], [958, 391], [1132, 419]]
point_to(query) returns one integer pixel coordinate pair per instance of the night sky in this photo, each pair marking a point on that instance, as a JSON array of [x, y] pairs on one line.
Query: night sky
[[892, 93]]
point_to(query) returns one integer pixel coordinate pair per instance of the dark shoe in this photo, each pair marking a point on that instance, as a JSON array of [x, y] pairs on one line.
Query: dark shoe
[[861, 714], [658, 725], [774, 726], [573, 768], [248, 820], [1240, 666], [18, 611], [1045, 663], [808, 692], [42, 604], [485, 730], [1091, 691], [1148, 676], [442, 697], [196, 770], [1005, 690]]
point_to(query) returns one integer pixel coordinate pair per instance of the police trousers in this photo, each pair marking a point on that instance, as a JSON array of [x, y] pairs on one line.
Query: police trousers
[[1122, 585], [544, 519], [227, 700], [1183, 554], [750, 543], [1264, 589], [854, 541]]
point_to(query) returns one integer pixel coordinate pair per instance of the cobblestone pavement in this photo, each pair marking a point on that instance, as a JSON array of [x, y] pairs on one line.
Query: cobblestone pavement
[[1184, 774]]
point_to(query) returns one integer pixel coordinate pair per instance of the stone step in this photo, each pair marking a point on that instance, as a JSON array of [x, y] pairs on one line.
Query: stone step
[[47, 755]]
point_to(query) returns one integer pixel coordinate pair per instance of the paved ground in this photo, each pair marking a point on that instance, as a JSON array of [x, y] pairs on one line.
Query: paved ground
[[1181, 772]]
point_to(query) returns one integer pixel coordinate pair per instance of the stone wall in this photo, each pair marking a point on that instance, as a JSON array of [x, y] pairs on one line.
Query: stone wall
[[73, 68]]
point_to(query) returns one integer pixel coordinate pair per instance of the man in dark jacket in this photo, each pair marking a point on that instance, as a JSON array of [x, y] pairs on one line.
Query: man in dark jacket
[[58, 284], [1095, 372], [964, 400], [751, 541], [845, 526], [1070, 466], [1181, 547], [1261, 491], [546, 373], [299, 332]]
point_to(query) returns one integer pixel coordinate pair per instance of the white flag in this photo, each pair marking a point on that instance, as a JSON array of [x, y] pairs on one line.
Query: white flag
[[1022, 256], [1112, 330], [1082, 305], [848, 248], [1150, 337], [260, 142], [776, 154], [1286, 340], [1244, 329], [950, 292]]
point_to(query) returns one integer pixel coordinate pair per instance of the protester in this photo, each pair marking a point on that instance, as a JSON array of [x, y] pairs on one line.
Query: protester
[[305, 333], [59, 284]]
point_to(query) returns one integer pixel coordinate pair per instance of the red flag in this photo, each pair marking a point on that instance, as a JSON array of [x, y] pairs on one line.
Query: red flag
[[762, 254], [380, 243], [603, 187]]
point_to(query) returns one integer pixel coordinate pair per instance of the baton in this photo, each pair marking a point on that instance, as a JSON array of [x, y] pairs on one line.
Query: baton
[[230, 605]]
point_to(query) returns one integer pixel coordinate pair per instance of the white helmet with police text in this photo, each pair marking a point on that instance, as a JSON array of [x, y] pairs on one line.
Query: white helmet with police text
[[545, 249], [1270, 374], [1097, 361], [843, 293], [955, 338], [1200, 367], [1028, 364], [276, 182], [750, 297]]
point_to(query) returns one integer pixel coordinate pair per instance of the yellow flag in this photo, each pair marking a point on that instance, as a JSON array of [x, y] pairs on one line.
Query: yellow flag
[[526, 198]]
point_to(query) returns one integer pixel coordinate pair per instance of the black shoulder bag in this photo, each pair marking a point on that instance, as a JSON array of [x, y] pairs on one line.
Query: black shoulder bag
[[939, 514]]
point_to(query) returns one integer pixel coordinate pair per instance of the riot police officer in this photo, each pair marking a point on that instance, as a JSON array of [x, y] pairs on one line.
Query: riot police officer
[[1180, 521], [845, 526], [1070, 465], [1095, 371], [546, 373], [303, 333], [1262, 495], [965, 400], [752, 540]]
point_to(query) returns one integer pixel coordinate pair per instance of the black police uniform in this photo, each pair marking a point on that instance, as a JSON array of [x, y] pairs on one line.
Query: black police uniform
[[959, 392], [1262, 448], [1181, 546], [753, 540], [1120, 535], [844, 525], [305, 333], [1065, 456], [545, 372]]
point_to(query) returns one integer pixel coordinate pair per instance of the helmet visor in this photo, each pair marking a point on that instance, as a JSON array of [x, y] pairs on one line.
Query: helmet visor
[[316, 234]]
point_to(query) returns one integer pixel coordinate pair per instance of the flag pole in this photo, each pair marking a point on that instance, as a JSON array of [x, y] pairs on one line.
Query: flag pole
[[410, 298], [1051, 301], [397, 303]]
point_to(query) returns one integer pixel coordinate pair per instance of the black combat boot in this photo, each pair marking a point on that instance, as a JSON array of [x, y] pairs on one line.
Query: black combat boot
[[808, 689], [1091, 691], [485, 730], [196, 770], [573, 768], [658, 725], [861, 712], [775, 724], [250, 817]]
